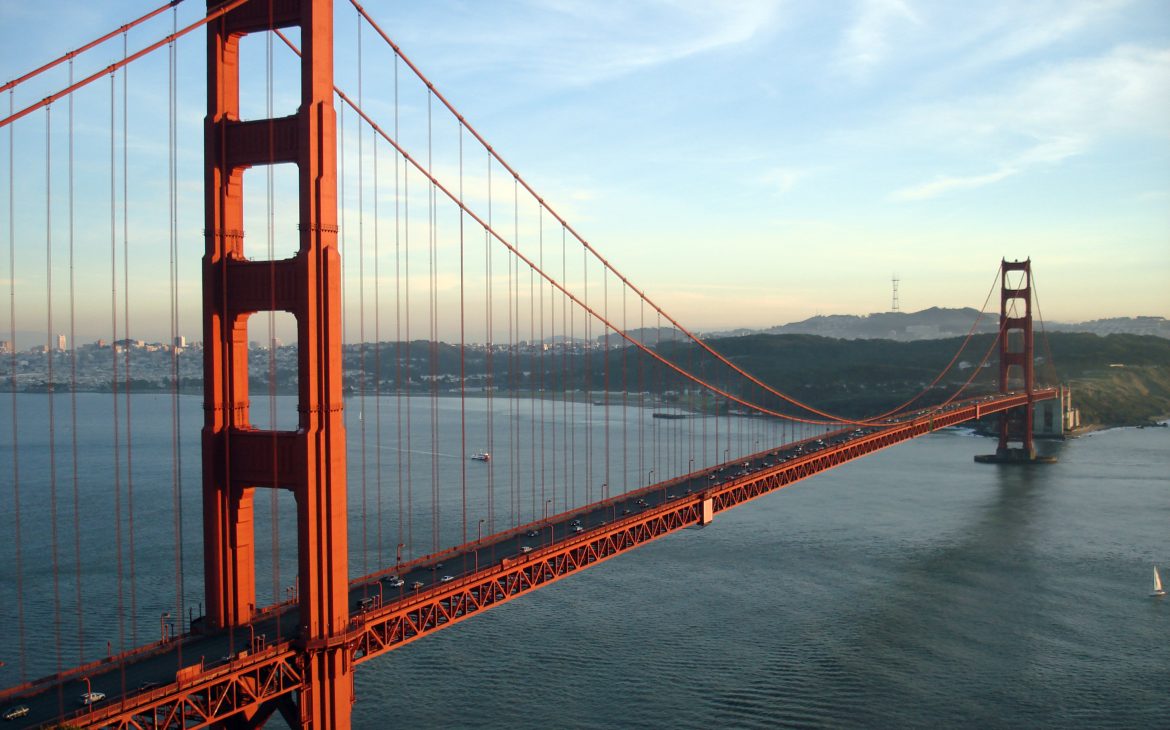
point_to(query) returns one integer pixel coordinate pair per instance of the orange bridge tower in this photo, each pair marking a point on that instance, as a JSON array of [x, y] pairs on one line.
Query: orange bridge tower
[[1016, 365], [238, 458]]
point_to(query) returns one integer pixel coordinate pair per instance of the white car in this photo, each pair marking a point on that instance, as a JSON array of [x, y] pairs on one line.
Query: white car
[[447, 579], [88, 698], [525, 549]]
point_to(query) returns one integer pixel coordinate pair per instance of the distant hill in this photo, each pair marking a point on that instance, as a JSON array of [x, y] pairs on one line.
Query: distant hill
[[939, 323], [1156, 326]]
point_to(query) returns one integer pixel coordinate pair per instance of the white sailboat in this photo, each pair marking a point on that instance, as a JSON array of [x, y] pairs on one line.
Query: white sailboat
[[1158, 590]]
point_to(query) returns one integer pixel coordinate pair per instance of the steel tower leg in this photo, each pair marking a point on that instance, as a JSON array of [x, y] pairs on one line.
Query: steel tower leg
[[237, 458], [1016, 358]]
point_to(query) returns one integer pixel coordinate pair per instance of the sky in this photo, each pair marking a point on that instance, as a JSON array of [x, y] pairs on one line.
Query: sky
[[746, 163]]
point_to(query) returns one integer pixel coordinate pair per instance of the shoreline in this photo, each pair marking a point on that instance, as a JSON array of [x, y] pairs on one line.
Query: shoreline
[[580, 396]]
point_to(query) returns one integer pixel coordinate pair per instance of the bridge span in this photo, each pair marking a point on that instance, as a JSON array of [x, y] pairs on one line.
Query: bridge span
[[537, 310], [203, 679]]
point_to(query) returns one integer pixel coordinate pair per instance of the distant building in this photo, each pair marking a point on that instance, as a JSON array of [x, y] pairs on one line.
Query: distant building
[[1056, 417], [180, 341], [6, 347], [60, 343], [102, 343]]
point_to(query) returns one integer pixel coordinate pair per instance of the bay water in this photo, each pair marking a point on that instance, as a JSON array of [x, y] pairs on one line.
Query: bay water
[[913, 588]]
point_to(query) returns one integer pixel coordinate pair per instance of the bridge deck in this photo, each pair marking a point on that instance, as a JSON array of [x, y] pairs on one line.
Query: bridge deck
[[199, 679]]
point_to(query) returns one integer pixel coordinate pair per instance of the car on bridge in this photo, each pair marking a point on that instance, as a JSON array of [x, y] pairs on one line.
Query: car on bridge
[[88, 698], [16, 712]]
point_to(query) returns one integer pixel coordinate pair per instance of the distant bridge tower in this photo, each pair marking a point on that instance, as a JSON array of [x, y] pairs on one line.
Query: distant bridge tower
[[1016, 359], [238, 458]]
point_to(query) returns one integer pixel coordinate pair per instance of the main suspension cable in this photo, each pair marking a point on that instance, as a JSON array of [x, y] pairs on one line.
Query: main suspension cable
[[831, 418], [605, 262], [82, 49], [109, 70]]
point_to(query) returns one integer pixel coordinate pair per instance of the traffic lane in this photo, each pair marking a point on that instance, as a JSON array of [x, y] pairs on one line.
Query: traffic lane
[[116, 680], [129, 679]]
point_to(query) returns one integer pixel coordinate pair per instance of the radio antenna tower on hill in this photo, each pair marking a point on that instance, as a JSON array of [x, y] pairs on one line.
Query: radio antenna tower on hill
[[894, 299]]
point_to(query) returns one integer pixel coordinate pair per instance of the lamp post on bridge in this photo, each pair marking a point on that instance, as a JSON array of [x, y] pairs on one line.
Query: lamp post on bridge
[[478, 540], [551, 535], [162, 625], [648, 475]]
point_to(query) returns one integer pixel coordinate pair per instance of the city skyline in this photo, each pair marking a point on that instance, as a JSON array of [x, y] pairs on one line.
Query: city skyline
[[755, 163]]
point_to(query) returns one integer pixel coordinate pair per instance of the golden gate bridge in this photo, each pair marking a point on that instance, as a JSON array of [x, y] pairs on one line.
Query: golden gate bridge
[[518, 419]]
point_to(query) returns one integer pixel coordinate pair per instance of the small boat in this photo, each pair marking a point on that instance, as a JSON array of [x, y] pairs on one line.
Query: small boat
[[1158, 590], [669, 416], [481, 456]]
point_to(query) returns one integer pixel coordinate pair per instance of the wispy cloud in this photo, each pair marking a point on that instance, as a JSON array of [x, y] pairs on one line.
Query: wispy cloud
[[868, 38], [782, 179], [997, 33], [1061, 111], [1151, 196], [942, 185], [575, 43], [1046, 152]]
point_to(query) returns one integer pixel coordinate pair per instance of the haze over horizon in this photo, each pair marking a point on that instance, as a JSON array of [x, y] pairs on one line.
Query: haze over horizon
[[746, 164]]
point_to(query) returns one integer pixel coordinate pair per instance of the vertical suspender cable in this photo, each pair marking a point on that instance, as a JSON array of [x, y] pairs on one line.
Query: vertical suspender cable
[[362, 302], [543, 345], [126, 332], [556, 377], [552, 384], [532, 379], [73, 399], [462, 351], [655, 428], [566, 375], [398, 320], [409, 352], [487, 253], [16, 542], [625, 402], [588, 374], [605, 364], [173, 232], [434, 330], [513, 402], [642, 396], [114, 363], [377, 363], [50, 350]]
